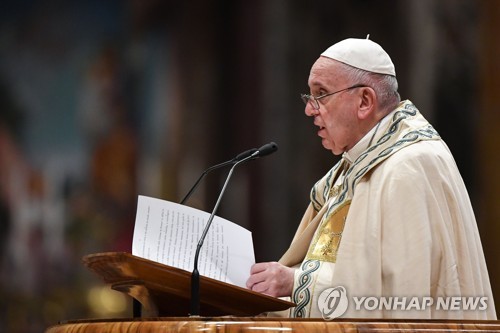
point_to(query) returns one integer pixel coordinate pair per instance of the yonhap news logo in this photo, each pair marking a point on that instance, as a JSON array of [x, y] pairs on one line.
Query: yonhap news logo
[[333, 303]]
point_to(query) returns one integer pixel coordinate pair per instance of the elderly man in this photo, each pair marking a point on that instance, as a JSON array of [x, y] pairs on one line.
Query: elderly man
[[392, 220]]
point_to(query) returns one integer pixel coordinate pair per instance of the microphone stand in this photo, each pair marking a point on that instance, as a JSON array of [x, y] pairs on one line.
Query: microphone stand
[[239, 157], [220, 165], [195, 276]]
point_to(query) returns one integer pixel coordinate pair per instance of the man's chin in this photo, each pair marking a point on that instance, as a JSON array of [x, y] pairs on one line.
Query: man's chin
[[328, 146]]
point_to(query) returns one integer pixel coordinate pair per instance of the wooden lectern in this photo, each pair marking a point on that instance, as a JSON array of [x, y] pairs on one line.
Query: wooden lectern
[[164, 293]]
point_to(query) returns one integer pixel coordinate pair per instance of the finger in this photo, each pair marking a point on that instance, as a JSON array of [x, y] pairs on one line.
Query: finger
[[250, 282], [258, 267], [256, 278], [260, 288]]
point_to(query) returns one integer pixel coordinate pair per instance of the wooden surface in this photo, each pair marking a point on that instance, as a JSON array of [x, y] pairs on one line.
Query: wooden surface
[[165, 291], [260, 324]]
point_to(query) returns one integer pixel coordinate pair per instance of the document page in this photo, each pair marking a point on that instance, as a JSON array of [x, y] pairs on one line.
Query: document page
[[168, 233]]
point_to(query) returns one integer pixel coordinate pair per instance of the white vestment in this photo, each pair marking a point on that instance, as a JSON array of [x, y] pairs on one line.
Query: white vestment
[[404, 227]]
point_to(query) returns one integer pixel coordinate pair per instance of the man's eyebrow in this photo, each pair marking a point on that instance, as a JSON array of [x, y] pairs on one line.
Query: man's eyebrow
[[316, 85]]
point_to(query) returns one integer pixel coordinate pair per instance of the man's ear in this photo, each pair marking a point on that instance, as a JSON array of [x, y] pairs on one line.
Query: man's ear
[[367, 103]]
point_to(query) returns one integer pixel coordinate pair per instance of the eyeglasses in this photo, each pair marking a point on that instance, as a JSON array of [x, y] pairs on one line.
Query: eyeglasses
[[314, 100]]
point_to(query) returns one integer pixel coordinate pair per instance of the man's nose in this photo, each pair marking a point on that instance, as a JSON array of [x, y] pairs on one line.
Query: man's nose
[[310, 111]]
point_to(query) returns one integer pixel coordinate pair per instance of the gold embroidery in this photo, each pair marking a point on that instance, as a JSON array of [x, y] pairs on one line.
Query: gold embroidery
[[334, 191], [326, 241]]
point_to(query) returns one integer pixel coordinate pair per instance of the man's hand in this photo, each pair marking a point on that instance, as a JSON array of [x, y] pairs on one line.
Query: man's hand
[[271, 278]]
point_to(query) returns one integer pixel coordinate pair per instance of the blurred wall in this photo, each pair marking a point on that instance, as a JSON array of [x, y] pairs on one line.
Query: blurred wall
[[487, 141], [104, 100]]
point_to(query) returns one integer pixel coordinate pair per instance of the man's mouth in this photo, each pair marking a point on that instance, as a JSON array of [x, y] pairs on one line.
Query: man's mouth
[[321, 128]]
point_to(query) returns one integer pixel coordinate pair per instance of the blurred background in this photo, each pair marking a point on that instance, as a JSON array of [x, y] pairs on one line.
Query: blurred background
[[101, 101]]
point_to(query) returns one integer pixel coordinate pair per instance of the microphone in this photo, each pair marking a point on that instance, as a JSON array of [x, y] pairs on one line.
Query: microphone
[[265, 150], [239, 157]]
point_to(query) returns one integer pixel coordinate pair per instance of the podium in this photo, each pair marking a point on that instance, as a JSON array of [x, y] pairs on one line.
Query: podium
[[166, 291]]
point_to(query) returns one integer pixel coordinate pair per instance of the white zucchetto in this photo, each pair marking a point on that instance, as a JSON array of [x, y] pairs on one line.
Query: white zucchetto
[[363, 54]]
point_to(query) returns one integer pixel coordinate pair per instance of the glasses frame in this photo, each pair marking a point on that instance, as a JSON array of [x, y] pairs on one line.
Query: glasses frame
[[307, 98]]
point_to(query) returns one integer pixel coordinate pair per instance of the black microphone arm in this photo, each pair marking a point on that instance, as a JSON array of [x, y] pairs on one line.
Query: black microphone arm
[[239, 157], [266, 149]]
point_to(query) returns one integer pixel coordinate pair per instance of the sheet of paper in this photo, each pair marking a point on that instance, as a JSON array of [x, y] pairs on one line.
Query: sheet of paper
[[168, 233]]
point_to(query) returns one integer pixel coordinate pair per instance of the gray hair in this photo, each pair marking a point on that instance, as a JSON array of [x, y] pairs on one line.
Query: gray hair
[[385, 86]]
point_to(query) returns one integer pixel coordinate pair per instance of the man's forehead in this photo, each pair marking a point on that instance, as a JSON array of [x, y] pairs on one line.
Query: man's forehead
[[324, 71], [324, 63]]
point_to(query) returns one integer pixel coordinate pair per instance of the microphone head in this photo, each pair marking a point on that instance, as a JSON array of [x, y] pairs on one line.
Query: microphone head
[[266, 149], [244, 154]]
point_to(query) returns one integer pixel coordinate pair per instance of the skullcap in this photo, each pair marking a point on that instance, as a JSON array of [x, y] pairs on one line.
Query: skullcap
[[363, 54]]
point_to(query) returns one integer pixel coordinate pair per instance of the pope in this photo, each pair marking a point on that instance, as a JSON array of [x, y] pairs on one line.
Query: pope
[[393, 217]]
